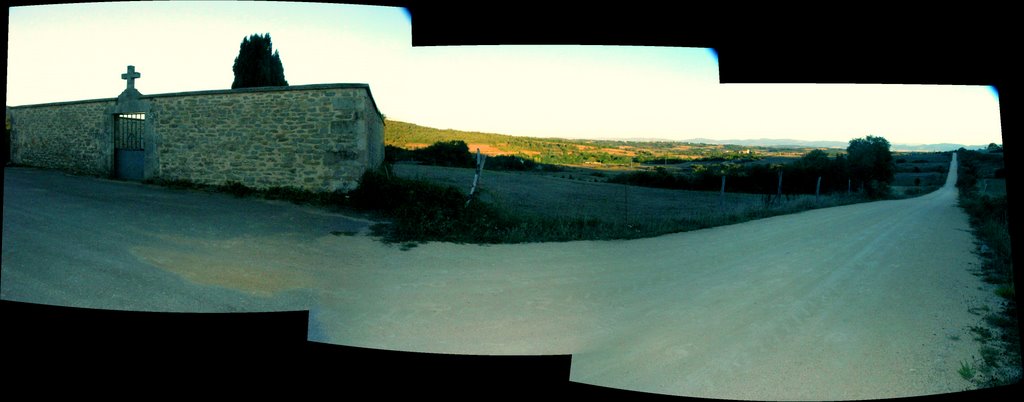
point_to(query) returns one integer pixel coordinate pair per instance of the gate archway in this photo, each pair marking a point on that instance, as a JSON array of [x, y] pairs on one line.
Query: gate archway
[[132, 144], [129, 146]]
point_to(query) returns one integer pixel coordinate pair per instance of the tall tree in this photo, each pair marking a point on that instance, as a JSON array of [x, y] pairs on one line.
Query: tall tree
[[871, 163], [256, 66]]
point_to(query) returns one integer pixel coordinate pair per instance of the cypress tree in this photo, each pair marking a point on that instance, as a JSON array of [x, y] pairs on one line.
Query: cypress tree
[[256, 66]]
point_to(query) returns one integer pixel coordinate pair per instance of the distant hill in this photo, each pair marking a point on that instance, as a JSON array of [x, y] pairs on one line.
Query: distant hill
[[935, 147], [563, 151], [620, 151], [771, 142]]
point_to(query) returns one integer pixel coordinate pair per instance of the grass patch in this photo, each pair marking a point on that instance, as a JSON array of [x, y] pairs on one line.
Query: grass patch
[[1007, 292], [419, 210], [966, 371], [988, 215], [981, 334], [979, 310], [990, 355], [1001, 321]]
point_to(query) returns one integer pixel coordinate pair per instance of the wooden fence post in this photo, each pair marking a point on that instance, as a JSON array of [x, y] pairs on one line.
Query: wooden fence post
[[817, 190], [625, 216], [778, 193], [721, 196], [476, 178]]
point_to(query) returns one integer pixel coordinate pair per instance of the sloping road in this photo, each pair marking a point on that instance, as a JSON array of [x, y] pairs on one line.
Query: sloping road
[[853, 302]]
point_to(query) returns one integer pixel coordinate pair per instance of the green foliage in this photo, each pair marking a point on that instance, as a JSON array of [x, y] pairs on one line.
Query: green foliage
[[394, 154], [456, 154], [256, 66], [966, 371], [572, 152], [659, 178], [871, 163], [423, 211], [981, 334], [446, 153], [989, 215], [1006, 292], [800, 177], [508, 162], [990, 355]]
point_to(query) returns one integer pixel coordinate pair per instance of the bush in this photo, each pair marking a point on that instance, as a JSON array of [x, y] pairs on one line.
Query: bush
[[423, 211], [878, 189], [394, 154], [447, 153], [870, 160], [508, 162], [546, 167]]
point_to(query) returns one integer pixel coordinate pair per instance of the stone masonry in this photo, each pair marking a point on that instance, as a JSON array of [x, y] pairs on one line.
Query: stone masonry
[[312, 137], [74, 133]]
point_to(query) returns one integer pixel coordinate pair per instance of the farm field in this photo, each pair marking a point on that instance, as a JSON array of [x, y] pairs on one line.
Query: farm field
[[929, 168], [585, 195]]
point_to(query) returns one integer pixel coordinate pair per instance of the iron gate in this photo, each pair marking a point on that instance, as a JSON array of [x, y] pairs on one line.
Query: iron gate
[[129, 149]]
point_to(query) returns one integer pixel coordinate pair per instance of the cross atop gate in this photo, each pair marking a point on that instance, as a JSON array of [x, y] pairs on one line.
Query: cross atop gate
[[131, 75]]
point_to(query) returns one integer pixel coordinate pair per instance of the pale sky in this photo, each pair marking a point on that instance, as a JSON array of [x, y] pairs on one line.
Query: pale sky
[[79, 51]]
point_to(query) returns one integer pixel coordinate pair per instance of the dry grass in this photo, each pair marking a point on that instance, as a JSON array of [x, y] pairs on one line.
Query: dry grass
[[585, 196]]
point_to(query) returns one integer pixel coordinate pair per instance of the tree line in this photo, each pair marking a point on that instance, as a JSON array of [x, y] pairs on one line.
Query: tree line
[[456, 154], [867, 166], [574, 152]]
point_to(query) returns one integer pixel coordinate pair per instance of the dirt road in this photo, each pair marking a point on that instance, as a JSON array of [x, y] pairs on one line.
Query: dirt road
[[861, 301]]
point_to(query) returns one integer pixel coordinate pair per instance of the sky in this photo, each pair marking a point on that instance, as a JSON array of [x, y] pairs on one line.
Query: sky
[[79, 51]]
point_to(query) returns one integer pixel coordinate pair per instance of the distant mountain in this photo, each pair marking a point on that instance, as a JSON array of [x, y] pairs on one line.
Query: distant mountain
[[935, 147], [771, 142], [399, 133]]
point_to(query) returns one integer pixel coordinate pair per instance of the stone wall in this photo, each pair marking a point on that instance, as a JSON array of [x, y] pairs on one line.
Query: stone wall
[[68, 136], [313, 137]]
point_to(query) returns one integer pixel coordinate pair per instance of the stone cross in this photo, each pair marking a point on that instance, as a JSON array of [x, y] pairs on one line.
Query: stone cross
[[131, 75]]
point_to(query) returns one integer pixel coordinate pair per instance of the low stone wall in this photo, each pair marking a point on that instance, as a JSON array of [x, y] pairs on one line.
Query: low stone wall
[[313, 137], [68, 136]]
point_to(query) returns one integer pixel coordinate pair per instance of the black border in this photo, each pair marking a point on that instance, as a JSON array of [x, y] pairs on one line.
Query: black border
[[78, 351]]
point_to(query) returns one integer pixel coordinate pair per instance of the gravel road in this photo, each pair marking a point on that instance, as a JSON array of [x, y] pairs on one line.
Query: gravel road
[[853, 302]]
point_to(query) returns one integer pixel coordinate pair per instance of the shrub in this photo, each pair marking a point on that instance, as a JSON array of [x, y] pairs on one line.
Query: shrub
[[394, 154], [546, 167], [423, 211], [878, 189], [447, 153], [508, 162]]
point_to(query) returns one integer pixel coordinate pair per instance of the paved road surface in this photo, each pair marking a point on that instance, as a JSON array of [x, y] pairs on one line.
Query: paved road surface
[[860, 301]]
